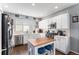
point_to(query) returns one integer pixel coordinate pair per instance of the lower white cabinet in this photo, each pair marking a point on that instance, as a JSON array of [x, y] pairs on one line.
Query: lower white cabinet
[[26, 37], [62, 44]]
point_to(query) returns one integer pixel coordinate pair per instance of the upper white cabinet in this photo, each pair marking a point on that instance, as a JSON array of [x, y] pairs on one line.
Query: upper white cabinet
[[58, 23], [63, 21], [53, 20], [44, 24]]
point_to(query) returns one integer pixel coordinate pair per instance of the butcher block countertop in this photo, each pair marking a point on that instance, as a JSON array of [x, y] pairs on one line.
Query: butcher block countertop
[[17, 33], [41, 41]]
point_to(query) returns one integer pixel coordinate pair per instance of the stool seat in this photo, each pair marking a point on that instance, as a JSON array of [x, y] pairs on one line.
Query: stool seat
[[49, 47], [41, 50]]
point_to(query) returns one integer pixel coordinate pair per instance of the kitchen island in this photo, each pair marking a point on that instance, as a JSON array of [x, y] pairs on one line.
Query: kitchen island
[[35, 44]]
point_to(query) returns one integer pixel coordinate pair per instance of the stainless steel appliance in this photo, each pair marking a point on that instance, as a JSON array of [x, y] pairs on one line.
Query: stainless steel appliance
[[7, 31], [18, 39]]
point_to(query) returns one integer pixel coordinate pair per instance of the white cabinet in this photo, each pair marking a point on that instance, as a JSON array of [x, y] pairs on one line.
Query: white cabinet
[[62, 21], [57, 42], [59, 24], [0, 52], [62, 44], [26, 38], [43, 24], [65, 20], [54, 19]]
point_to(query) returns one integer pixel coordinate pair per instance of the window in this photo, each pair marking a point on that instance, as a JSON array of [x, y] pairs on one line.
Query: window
[[25, 28], [21, 25], [19, 28]]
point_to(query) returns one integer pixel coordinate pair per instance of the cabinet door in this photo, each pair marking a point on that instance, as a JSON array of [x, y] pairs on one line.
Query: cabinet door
[[59, 22], [0, 52], [65, 21], [57, 45], [67, 45], [43, 24], [63, 44], [26, 37], [54, 19]]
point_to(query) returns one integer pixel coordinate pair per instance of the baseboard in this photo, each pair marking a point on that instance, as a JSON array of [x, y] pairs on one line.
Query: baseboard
[[62, 52], [69, 51], [74, 52], [19, 45], [13, 45]]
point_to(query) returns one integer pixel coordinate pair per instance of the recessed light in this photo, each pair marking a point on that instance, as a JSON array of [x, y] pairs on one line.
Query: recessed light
[[56, 7], [33, 4]]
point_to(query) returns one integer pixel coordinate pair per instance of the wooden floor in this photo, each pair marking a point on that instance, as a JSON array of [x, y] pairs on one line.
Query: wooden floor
[[22, 50], [60, 53]]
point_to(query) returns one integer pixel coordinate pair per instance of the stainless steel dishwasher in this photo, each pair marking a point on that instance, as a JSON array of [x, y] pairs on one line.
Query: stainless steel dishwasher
[[18, 39]]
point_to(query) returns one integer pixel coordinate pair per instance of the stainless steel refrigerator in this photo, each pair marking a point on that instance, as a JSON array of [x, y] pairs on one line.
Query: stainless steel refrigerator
[[7, 32]]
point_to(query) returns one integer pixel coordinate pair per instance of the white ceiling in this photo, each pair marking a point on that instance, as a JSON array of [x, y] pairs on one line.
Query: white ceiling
[[39, 10]]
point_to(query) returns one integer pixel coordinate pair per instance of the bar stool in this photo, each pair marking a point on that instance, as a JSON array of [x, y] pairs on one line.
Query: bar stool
[[41, 50], [49, 48]]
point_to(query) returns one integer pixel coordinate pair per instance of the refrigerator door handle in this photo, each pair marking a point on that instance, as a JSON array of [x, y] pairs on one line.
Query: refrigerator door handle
[[4, 49]]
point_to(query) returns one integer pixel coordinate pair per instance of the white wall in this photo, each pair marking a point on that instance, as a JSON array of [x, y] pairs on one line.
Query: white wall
[[74, 28]]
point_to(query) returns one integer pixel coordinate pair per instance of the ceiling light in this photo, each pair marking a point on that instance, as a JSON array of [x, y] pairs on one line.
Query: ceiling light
[[56, 7], [33, 4]]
